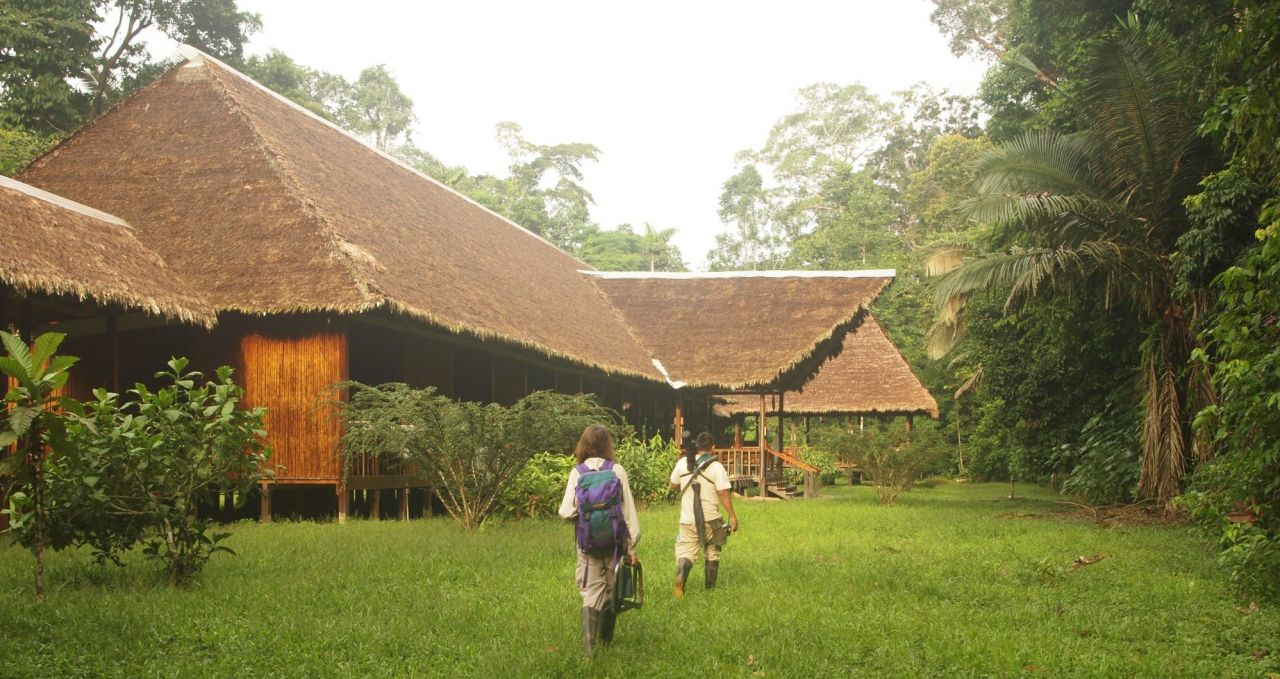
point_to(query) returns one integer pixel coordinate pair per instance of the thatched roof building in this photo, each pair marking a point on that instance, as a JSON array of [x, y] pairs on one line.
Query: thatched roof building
[[868, 377], [742, 330], [327, 260], [57, 247], [269, 209]]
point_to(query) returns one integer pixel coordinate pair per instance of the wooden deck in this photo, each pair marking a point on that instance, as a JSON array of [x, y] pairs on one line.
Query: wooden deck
[[743, 464]]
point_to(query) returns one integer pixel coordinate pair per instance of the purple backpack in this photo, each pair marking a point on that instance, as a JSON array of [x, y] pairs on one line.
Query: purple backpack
[[600, 529]]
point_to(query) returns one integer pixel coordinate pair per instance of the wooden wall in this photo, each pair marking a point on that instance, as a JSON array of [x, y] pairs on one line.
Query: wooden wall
[[289, 364]]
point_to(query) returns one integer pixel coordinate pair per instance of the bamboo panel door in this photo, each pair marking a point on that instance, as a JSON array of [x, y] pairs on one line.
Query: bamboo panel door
[[290, 366]]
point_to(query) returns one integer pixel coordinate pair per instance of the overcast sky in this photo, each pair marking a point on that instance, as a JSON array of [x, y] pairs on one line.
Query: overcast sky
[[669, 91]]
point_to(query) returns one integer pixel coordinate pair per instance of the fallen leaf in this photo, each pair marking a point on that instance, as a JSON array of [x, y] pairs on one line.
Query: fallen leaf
[[1082, 561], [1260, 654], [1031, 668], [1087, 632], [552, 649], [1248, 610]]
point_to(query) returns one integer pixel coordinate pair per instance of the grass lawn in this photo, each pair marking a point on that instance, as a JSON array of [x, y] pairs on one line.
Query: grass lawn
[[956, 580]]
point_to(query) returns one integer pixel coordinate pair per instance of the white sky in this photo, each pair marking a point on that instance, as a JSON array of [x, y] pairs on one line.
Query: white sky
[[669, 91]]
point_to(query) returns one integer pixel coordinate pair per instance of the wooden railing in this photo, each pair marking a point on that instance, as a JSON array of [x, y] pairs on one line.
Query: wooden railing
[[741, 463], [744, 463]]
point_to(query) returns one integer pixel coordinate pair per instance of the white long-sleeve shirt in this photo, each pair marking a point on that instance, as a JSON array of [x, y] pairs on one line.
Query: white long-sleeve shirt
[[569, 505]]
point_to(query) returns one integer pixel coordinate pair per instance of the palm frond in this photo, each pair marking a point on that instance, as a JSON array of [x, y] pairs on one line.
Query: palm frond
[[1131, 99], [1030, 209], [945, 260], [1036, 162]]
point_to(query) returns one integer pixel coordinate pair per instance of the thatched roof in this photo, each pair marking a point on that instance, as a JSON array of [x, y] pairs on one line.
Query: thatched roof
[[742, 330], [868, 377], [55, 246], [268, 209]]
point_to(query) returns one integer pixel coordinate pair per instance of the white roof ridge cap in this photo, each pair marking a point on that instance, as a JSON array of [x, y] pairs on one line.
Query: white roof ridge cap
[[773, 273], [62, 202]]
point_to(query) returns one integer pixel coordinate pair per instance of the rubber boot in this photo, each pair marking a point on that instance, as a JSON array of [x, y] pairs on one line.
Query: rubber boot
[[683, 567], [710, 570], [607, 620], [590, 627]]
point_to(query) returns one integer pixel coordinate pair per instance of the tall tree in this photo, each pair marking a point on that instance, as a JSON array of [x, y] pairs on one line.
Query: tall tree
[[44, 46], [622, 249], [214, 26], [378, 109], [1105, 206], [325, 94]]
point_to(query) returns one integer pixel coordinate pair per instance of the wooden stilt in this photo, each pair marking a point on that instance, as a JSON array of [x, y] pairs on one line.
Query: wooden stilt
[[761, 441], [679, 419], [404, 504], [265, 515], [113, 336], [375, 505], [737, 432], [342, 504]]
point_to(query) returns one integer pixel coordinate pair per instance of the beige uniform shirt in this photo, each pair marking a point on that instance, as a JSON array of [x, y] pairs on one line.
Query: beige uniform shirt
[[713, 479], [569, 505]]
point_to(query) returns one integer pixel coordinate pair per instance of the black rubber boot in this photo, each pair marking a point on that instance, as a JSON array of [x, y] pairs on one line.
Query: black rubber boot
[[590, 627], [683, 567], [709, 573], [607, 620]]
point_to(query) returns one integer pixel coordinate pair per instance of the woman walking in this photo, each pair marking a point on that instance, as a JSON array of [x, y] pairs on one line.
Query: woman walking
[[598, 500]]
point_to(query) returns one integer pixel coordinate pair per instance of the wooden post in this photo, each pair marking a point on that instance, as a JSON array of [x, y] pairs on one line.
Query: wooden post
[[679, 419], [264, 515], [760, 440], [26, 321], [375, 505], [910, 427], [113, 330], [737, 432], [404, 504], [342, 504]]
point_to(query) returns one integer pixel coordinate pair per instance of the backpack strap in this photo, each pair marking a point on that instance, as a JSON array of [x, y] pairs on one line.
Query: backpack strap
[[704, 462]]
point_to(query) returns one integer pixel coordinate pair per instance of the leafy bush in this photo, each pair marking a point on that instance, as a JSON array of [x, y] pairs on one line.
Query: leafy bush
[[538, 488], [31, 425], [136, 472], [1235, 496], [474, 453], [1105, 463], [648, 464], [824, 461]]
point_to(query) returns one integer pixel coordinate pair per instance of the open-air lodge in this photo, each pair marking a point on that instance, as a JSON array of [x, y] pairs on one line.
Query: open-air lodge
[[238, 228]]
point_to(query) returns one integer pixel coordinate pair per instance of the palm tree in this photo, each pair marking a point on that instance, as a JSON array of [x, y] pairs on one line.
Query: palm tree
[[1103, 206], [657, 245]]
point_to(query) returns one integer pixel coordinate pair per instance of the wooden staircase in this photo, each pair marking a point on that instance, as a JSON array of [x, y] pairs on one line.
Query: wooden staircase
[[783, 490]]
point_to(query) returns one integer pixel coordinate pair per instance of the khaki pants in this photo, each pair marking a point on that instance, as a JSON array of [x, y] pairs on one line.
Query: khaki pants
[[687, 543], [597, 574]]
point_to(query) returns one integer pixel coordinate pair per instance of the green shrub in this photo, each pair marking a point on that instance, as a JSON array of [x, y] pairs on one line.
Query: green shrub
[[1105, 463], [135, 472], [538, 488], [472, 453], [648, 464], [1235, 496], [824, 461]]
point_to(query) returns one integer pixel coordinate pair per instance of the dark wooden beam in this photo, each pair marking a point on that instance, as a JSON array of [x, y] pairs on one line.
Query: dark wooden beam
[[493, 348], [88, 327]]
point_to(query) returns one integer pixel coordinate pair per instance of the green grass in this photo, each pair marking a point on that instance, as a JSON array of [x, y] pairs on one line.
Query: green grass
[[954, 581]]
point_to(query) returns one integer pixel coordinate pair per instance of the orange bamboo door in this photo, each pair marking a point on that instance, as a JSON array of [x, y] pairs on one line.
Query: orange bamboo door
[[289, 366]]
